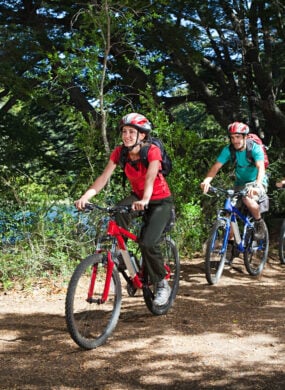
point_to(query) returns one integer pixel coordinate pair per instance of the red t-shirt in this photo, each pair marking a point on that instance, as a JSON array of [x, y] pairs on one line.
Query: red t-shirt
[[136, 174]]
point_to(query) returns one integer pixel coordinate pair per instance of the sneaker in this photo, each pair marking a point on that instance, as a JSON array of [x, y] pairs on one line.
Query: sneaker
[[162, 293], [259, 229]]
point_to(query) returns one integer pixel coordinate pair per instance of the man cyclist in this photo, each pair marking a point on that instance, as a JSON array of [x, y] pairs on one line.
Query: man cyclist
[[250, 175], [149, 190]]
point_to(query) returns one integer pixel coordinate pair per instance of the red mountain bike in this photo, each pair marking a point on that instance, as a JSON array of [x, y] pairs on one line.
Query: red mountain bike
[[94, 294]]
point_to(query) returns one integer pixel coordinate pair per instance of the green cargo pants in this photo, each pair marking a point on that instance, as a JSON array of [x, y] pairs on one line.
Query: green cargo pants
[[155, 219]]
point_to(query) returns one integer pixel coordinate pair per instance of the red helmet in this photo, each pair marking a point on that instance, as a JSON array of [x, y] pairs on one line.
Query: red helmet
[[140, 122], [238, 128]]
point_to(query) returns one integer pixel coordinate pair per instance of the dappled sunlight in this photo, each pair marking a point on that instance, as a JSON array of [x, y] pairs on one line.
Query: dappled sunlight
[[230, 336]]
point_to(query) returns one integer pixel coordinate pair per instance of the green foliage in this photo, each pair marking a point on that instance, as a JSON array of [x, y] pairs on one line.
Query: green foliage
[[189, 233], [90, 63], [45, 243]]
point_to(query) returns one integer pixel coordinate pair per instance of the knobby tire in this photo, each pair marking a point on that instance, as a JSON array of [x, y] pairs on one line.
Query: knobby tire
[[256, 253], [215, 259], [90, 324]]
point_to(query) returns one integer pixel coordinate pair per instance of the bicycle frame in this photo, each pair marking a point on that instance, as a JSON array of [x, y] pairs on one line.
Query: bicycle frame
[[231, 221], [118, 233]]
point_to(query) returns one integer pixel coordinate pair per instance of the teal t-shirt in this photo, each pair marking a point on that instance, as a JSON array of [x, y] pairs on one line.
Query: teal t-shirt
[[245, 171]]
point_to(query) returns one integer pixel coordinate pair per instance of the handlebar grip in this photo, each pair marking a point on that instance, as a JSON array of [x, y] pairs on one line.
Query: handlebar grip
[[213, 189], [89, 207], [109, 209]]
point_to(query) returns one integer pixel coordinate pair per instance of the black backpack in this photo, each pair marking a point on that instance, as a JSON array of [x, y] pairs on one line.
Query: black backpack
[[166, 163]]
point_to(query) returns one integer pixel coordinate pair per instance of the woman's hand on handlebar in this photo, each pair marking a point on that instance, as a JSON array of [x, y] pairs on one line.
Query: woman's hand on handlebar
[[81, 203], [139, 205]]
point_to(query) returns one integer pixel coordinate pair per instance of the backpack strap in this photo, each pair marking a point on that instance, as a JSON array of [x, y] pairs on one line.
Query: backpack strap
[[249, 147], [144, 153], [122, 162], [123, 157]]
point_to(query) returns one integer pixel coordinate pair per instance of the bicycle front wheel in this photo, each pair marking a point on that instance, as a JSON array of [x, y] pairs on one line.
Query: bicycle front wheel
[[215, 256], [172, 267], [89, 320], [256, 253], [282, 243]]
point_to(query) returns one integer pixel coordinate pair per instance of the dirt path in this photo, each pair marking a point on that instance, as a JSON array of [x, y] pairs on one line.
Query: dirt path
[[229, 336]]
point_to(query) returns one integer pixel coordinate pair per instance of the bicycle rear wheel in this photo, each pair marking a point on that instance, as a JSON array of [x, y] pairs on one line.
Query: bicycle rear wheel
[[172, 266], [256, 253], [282, 243], [91, 322], [215, 259]]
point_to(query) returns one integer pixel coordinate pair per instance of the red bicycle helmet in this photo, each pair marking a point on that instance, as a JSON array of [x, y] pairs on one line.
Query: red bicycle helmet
[[238, 128], [140, 122]]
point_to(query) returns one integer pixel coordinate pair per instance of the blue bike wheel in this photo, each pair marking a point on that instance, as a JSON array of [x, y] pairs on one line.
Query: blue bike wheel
[[256, 253], [215, 253]]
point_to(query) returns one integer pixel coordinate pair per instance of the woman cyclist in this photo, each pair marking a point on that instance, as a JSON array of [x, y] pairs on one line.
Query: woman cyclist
[[150, 192]]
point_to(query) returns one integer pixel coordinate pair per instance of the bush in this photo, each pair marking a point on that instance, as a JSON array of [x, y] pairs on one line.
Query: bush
[[47, 245], [188, 233]]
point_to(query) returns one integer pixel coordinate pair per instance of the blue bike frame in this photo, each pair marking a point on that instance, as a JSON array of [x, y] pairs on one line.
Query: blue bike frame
[[231, 221]]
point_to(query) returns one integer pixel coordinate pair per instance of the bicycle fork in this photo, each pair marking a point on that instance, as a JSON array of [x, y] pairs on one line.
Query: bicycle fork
[[110, 266]]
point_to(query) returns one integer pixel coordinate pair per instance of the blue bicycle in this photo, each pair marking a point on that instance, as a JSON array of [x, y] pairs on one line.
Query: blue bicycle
[[229, 217]]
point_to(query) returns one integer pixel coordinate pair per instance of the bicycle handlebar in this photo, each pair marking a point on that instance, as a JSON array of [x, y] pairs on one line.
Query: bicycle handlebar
[[231, 193], [112, 209], [109, 209]]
